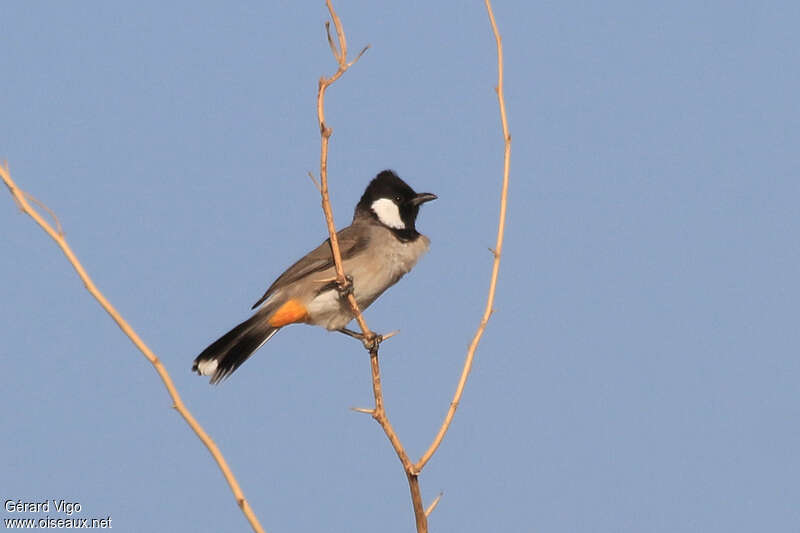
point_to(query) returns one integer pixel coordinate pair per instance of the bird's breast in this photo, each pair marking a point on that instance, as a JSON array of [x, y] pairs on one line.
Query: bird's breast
[[383, 265]]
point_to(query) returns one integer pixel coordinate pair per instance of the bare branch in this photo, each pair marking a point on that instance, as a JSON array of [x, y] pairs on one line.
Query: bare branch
[[379, 413], [342, 57], [368, 337], [361, 53], [325, 133], [382, 418], [32, 198], [21, 197], [334, 51], [389, 335], [496, 251], [316, 184], [420, 518], [433, 504]]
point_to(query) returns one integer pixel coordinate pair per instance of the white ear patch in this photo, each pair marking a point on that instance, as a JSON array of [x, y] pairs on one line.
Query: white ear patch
[[388, 213]]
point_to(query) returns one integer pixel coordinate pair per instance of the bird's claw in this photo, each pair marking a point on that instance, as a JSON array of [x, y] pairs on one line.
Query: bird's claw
[[345, 289], [372, 342]]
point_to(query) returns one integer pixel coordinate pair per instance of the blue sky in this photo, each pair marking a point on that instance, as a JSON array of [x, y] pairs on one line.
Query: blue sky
[[640, 372]]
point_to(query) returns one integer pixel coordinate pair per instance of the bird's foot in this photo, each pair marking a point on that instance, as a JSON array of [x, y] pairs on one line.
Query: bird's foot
[[345, 289], [370, 342]]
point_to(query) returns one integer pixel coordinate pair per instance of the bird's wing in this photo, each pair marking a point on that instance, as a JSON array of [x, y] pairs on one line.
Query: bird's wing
[[352, 240]]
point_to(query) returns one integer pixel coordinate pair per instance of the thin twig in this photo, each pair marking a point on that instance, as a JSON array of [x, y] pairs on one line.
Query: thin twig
[[334, 51], [379, 413], [21, 197], [32, 198], [433, 504], [361, 53], [337, 23], [340, 55], [387, 336], [382, 418], [316, 184], [497, 251]]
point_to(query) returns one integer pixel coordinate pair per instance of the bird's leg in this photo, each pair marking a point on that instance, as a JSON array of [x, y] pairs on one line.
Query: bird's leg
[[345, 289], [370, 343], [351, 333]]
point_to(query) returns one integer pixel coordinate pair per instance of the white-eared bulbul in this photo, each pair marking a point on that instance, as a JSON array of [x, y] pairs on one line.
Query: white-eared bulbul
[[378, 248]]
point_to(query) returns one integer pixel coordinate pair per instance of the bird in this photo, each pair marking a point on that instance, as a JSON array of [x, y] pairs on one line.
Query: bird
[[378, 248]]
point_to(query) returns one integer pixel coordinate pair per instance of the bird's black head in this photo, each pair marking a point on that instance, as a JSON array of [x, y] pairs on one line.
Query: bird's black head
[[390, 201]]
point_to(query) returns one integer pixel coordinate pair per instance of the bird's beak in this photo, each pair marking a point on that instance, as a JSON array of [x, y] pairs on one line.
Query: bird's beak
[[423, 197]]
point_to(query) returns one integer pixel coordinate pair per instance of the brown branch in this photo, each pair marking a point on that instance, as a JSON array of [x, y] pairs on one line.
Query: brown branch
[[379, 413], [340, 54], [315, 182], [433, 504], [496, 251], [420, 517], [32, 198], [369, 338], [380, 416], [21, 197]]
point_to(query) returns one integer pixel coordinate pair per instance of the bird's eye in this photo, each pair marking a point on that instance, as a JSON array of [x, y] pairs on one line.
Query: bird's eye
[[397, 199]]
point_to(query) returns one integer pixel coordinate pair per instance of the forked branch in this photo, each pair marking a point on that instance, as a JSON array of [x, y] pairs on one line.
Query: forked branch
[[378, 412], [22, 199]]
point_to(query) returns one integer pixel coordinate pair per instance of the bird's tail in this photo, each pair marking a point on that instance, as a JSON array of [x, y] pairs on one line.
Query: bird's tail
[[228, 352]]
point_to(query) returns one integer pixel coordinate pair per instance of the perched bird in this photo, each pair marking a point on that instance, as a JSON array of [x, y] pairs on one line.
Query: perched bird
[[378, 248]]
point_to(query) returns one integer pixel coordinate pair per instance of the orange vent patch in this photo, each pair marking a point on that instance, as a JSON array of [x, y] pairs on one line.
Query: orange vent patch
[[289, 313]]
